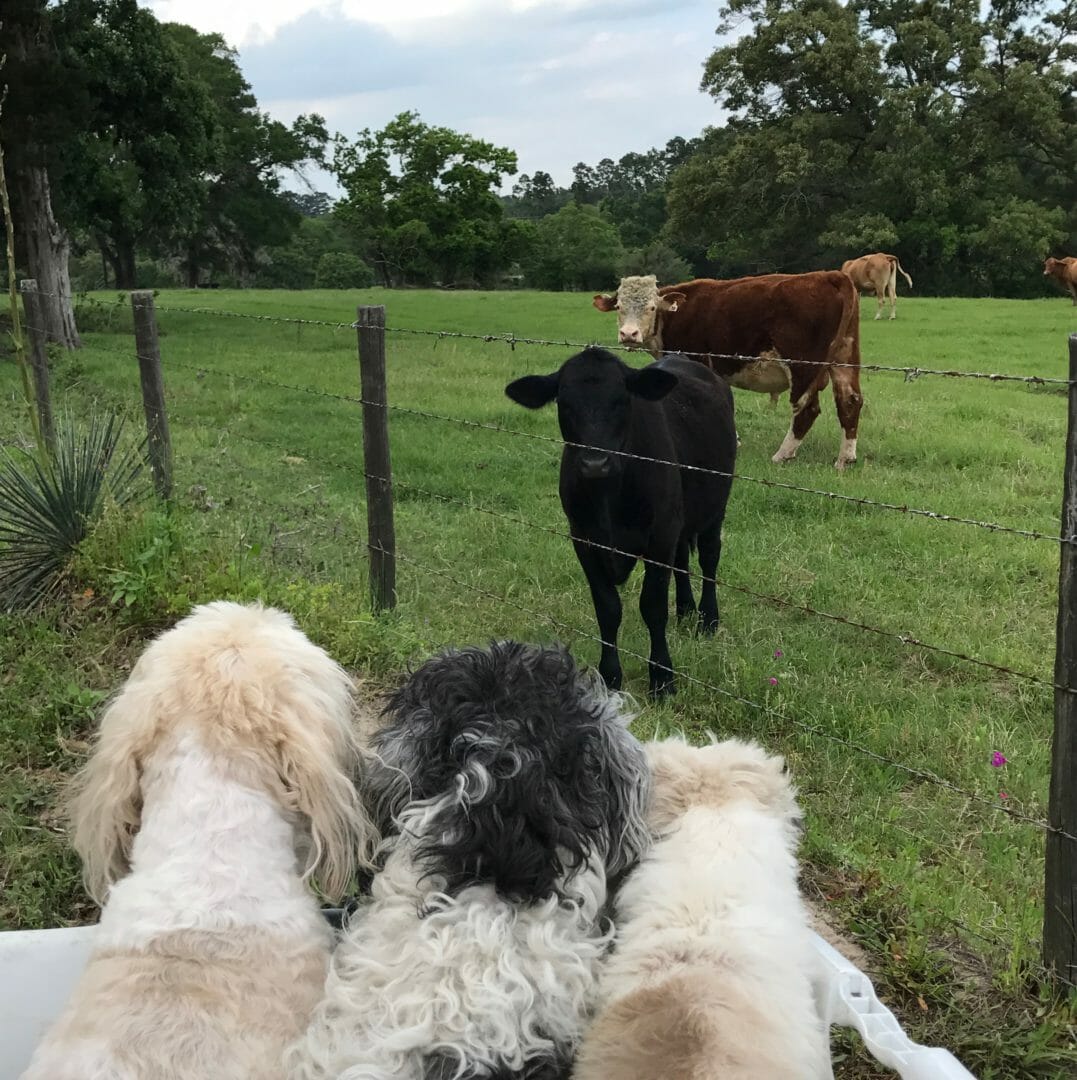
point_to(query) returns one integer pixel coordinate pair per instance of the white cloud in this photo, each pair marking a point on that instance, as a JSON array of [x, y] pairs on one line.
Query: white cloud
[[558, 81]]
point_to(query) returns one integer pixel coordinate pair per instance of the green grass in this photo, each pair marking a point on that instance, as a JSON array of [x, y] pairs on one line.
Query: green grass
[[270, 503]]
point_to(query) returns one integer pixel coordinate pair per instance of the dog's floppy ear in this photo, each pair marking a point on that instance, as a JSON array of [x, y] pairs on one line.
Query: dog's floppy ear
[[317, 758], [106, 804]]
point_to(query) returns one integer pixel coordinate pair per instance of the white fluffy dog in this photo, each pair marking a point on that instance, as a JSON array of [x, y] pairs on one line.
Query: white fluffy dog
[[712, 971], [516, 788], [223, 777]]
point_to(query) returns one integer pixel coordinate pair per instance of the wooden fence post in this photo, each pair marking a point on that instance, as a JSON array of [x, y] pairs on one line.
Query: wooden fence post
[[153, 391], [39, 360], [1060, 879], [381, 534]]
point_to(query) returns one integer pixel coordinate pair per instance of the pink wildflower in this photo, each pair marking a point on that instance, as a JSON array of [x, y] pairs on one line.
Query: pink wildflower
[[1003, 795], [773, 681], [998, 759], [778, 654]]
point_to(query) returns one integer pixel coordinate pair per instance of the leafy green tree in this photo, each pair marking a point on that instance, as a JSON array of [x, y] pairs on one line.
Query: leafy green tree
[[421, 203], [889, 123], [576, 248], [133, 175], [46, 98], [534, 197], [660, 259], [241, 207]]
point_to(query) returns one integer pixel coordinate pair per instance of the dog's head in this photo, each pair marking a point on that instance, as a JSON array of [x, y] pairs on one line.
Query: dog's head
[[271, 708], [715, 776], [511, 768]]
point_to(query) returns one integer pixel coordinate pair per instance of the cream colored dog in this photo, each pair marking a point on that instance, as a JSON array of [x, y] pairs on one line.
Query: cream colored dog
[[711, 975], [223, 777]]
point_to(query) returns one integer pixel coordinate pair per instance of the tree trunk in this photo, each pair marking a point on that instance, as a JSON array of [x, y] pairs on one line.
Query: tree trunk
[[47, 250], [125, 265]]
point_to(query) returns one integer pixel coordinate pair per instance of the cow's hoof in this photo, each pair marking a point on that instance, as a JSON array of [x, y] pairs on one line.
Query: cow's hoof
[[841, 463], [684, 613], [707, 625], [613, 680], [664, 689], [780, 458]]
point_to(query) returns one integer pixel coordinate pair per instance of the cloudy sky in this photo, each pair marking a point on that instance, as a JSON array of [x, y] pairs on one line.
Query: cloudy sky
[[558, 81]]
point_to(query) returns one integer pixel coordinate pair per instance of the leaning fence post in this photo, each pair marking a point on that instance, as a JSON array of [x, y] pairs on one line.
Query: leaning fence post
[[39, 360], [1060, 878], [381, 535], [153, 391]]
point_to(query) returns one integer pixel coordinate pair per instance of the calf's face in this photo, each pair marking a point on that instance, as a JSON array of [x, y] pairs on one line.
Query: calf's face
[[594, 391], [639, 305]]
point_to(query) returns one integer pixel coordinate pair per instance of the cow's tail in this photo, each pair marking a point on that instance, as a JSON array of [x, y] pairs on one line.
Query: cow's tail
[[896, 265]]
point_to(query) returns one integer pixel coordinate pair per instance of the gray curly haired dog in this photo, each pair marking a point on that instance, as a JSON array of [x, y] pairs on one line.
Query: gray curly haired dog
[[515, 790]]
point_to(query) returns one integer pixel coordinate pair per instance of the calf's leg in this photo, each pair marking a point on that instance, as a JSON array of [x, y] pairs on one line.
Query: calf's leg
[[710, 551], [654, 607], [607, 602], [682, 583]]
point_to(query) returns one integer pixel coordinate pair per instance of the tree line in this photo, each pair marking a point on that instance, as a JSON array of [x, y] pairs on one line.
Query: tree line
[[945, 132]]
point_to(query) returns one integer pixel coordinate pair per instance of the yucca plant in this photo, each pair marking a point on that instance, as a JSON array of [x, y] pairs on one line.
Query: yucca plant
[[47, 507]]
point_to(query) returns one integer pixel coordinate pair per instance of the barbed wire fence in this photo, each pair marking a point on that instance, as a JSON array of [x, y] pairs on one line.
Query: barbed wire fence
[[1059, 827]]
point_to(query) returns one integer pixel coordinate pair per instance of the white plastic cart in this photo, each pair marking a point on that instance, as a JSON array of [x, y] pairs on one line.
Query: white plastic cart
[[38, 970]]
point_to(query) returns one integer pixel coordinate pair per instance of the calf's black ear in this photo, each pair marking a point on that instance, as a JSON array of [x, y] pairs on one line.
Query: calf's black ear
[[533, 391], [650, 383]]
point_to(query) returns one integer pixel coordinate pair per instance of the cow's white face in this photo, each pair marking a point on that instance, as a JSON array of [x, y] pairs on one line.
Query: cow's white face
[[638, 306]]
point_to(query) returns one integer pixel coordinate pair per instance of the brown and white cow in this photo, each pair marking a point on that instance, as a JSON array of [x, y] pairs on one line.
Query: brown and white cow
[[1064, 271], [877, 272], [770, 333]]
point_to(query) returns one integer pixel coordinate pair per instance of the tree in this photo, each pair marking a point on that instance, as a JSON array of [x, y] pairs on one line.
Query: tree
[[890, 122], [534, 197], [134, 174], [420, 201], [308, 203], [576, 248], [43, 103], [241, 207]]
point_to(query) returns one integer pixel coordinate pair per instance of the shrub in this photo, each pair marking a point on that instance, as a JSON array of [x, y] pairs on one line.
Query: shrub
[[341, 270], [47, 508]]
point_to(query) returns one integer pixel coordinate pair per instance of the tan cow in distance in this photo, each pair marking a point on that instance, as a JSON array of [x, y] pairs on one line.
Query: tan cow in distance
[[1064, 271], [878, 272]]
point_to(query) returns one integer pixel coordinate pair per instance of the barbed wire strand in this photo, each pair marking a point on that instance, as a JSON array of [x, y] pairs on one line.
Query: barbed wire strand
[[909, 371], [903, 638], [822, 492], [920, 774]]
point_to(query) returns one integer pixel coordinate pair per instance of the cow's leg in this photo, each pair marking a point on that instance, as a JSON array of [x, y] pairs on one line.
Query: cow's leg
[[1073, 289], [891, 286], [607, 602], [849, 401], [682, 583], [654, 607], [710, 551], [880, 301], [804, 395]]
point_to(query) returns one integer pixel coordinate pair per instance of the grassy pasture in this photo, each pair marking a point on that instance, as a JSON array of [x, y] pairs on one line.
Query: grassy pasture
[[943, 891]]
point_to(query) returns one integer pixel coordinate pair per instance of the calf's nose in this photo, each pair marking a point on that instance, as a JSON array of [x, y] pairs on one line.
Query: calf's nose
[[631, 337], [594, 465]]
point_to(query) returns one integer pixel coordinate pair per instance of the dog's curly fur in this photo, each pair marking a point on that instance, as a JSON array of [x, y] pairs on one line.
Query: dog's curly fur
[[516, 788], [223, 776], [711, 977]]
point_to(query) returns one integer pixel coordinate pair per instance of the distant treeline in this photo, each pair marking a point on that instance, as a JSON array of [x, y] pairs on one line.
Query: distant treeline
[[944, 132]]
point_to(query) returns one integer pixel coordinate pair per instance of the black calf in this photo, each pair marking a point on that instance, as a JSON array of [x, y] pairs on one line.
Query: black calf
[[675, 410]]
